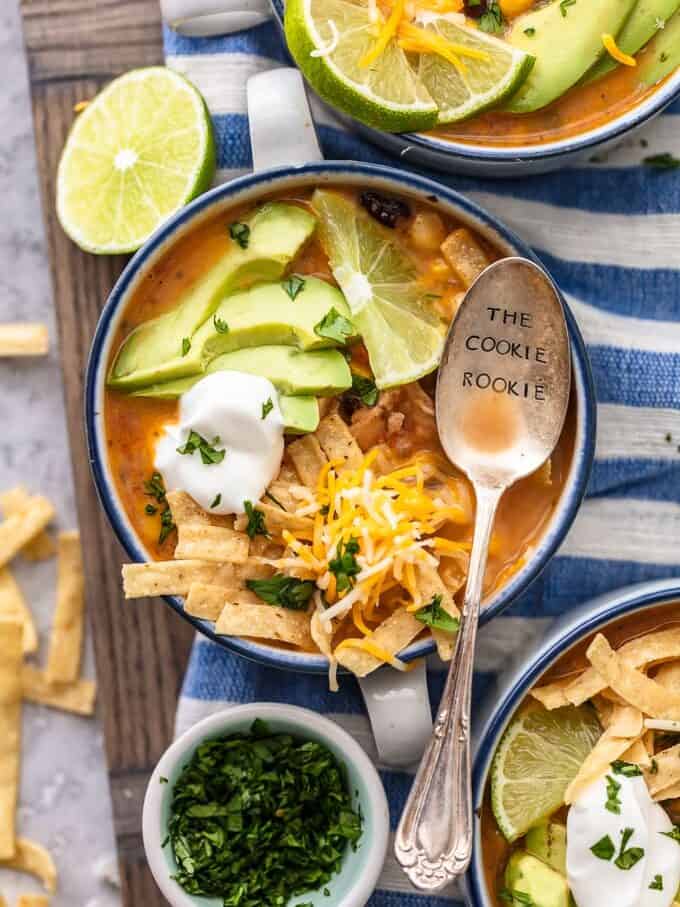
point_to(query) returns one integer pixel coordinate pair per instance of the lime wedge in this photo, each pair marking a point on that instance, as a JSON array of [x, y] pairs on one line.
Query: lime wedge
[[482, 83], [538, 757], [380, 283], [139, 151], [328, 39]]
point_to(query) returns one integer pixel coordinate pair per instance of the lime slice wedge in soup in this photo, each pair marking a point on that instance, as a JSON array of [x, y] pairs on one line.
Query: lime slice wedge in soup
[[138, 152]]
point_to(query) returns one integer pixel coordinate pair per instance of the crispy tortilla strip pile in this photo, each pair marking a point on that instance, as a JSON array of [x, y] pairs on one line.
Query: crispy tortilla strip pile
[[636, 691], [408, 526]]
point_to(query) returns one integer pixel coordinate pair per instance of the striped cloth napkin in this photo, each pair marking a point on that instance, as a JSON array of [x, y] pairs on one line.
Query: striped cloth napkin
[[609, 233]]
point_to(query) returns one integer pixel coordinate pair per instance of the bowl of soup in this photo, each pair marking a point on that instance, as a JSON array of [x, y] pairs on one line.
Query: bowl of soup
[[491, 87], [575, 775], [261, 428]]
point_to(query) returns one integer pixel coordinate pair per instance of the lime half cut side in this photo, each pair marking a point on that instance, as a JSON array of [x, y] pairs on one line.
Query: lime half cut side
[[329, 38], [403, 337], [477, 83], [139, 151], [537, 758]]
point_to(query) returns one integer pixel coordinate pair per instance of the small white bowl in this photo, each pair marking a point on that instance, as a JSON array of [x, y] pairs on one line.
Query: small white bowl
[[354, 884]]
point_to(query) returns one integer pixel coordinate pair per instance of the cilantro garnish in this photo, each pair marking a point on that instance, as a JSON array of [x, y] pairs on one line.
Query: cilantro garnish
[[492, 20], [436, 617], [511, 896], [167, 525], [209, 452], [627, 769], [674, 834], [613, 803], [267, 407], [186, 345], [256, 524], [604, 848], [664, 161], [286, 591], [293, 285], [216, 502], [657, 883], [344, 565], [529, 32], [155, 488], [335, 327], [258, 818], [363, 389], [151, 509], [221, 325], [563, 6], [240, 233], [628, 856]]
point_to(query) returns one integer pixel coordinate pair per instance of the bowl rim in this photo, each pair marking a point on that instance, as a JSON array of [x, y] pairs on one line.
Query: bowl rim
[[500, 706], [309, 723], [584, 443]]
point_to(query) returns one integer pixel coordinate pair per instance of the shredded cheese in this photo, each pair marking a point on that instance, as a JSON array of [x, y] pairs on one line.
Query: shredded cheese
[[367, 645], [387, 32], [616, 53]]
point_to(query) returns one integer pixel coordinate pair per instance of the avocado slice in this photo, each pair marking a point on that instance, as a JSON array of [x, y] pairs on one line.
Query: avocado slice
[[662, 55], [277, 233], [533, 877], [548, 842], [566, 38], [300, 414], [640, 27], [318, 372]]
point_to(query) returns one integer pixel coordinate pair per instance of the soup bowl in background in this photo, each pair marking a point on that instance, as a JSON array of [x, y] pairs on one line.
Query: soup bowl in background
[[503, 701]]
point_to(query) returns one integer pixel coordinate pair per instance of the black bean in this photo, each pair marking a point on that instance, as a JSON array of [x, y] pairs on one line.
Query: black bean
[[385, 210]]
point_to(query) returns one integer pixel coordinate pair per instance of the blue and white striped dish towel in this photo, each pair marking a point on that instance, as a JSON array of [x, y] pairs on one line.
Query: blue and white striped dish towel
[[610, 235]]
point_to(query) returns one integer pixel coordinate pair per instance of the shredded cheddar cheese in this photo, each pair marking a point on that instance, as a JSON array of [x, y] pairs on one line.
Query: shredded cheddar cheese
[[616, 53], [387, 32], [367, 645]]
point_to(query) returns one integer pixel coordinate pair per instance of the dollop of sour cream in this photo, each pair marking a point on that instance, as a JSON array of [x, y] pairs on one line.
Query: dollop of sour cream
[[594, 879], [235, 413]]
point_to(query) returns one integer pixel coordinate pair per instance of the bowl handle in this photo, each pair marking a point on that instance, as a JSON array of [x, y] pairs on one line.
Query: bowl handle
[[398, 706], [282, 132]]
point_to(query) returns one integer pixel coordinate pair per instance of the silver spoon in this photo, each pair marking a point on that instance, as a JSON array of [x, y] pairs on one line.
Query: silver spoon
[[502, 397]]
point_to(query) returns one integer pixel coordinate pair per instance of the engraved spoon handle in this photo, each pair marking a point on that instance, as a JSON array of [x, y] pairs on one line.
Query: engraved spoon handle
[[434, 838]]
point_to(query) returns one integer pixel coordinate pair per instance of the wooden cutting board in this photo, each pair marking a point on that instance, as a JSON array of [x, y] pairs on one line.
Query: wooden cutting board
[[73, 48]]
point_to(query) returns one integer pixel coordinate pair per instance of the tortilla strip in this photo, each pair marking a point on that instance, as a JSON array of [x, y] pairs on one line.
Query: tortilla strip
[[651, 649], [75, 697], [218, 544], [266, 622], [276, 520], [667, 770], [66, 640], [638, 690], [428, 584], [668, 675], [11, 658], [638, 754], [15, 501], [185, 510], [24, 338], [393, 635], [19, 529], [32, 900], [553, 695], [173, 577], [283, 493], [624, 729], [14, 605], [34, 859], [207, 600], [338, 442], [308, 459], [668, 793], [322, 635]]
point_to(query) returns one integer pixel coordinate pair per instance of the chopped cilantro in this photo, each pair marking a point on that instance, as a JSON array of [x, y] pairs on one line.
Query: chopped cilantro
[[435, 616], [209, 452], [654, 767], [293, 285], [258, 818], [286, 591], [529, 32], [256, 524], [267, 407], [628, 856], [344, 565], [627, 769], [216, 502], [564, 4], [155, 488], [221, 325], [151, 509], [604, 848], [186, 345], [657, 883], [613, 803], [162, 780], [240, 233], [664, 161], [492, 20], [663, 56], [674, 834], [335, 327], [514, 897], [363, 389], [167, 525]]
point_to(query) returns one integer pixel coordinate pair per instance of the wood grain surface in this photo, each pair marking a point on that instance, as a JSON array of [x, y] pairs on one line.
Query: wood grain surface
[[73, 48]]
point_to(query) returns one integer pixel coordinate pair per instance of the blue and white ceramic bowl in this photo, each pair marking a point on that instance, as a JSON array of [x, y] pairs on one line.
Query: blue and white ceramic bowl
[[503, 701], [248, 189]]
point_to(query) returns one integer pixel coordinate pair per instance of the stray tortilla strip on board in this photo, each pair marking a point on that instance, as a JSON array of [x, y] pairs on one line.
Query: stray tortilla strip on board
[[667, 771], [308, 459], [638, 690], [15, 501], [652, 648], [11, 658], [338, 442], [218, 544], [625, 727], [78, 697], [66, 639], [33, 900], [185, 510], [24, 338], [429, 583], [392, 635], [34, 859], [172, 577], [14, 605], [17, 530], [266, 622]]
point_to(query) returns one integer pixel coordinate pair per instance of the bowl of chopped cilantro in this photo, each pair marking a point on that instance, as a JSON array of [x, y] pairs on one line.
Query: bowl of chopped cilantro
[[265, 805]]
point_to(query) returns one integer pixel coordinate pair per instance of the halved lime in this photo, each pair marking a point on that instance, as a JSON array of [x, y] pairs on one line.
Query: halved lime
[[403, 337], [328, 39], [139, 151], [538, 757], [478, 83]]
